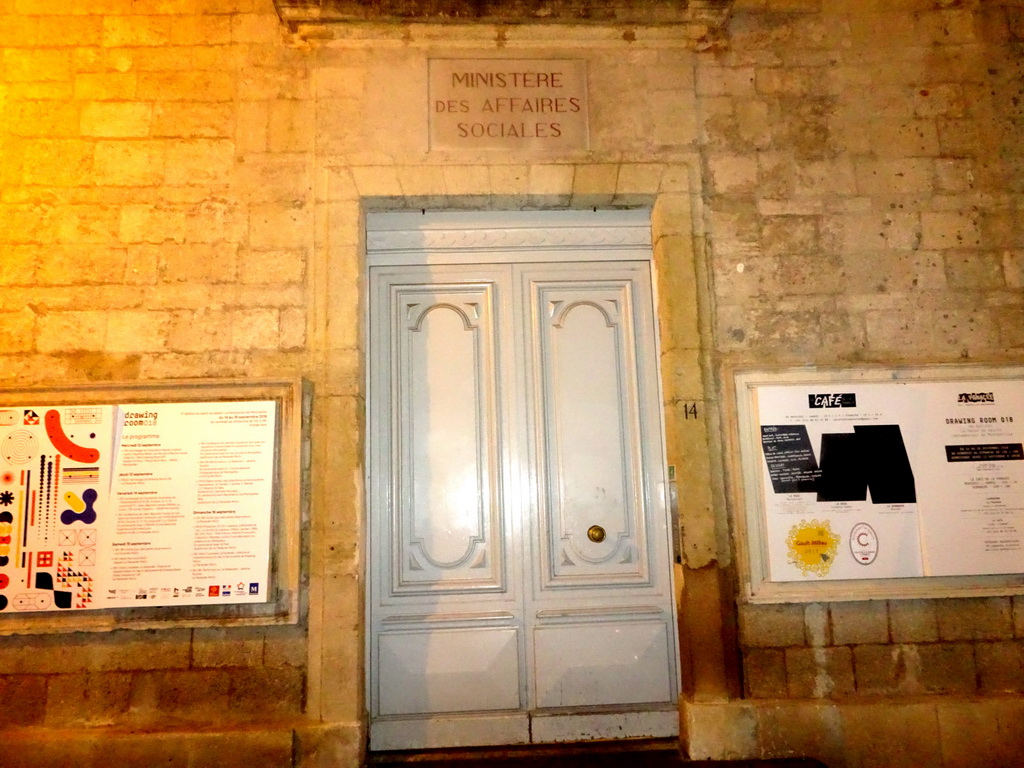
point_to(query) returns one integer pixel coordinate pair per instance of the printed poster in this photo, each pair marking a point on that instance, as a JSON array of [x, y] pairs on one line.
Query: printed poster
[[54, 477], [191, 497], [135, 505], [892, 479]]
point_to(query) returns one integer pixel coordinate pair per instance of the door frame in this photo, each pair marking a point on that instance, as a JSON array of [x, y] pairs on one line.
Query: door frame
[[565, 233], [671, 186]]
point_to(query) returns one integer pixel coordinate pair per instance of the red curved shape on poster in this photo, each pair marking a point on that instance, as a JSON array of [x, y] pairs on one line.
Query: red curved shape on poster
[[60, 441]]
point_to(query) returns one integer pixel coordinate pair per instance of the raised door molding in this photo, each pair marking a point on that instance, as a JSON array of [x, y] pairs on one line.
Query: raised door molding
[[590, 465], [480, 237], [447, 507], [443, 472]]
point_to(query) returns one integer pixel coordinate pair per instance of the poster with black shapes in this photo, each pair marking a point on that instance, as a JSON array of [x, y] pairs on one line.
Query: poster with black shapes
[[885, 463], [859, 519], [914, 478]]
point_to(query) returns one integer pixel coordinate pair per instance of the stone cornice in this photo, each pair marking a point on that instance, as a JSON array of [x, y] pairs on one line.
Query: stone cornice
[[704, 18]]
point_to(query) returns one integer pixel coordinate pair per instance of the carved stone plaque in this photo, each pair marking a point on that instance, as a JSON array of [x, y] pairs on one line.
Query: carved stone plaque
[[537, 105]]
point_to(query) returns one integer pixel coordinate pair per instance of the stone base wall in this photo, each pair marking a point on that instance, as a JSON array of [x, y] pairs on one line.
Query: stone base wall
[[272, 745], [937, 732], [153, 679], [884, 648]]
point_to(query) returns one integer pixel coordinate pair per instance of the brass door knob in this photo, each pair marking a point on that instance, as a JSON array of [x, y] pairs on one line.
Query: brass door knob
[[596, 533]]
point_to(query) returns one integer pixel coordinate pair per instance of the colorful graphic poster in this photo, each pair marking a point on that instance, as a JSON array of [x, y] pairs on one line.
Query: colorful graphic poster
[[891, 480], [105, 506], [54, 500], [191, 500]]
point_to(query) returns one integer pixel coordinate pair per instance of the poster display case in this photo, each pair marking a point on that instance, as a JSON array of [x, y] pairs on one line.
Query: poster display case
[[867, 483], [141, 504]]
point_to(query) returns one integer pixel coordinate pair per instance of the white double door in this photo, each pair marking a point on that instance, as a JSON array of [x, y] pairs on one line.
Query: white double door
[[518, 542]]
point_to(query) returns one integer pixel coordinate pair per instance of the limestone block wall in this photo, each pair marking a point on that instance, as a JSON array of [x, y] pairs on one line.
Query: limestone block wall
[[965, 646], [177, 678], [182, 191], [863, 177], [156, 183], [155, 223], [863, 192]]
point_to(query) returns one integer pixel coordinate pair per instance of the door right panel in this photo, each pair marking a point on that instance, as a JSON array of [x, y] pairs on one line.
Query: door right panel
[[601, 603]]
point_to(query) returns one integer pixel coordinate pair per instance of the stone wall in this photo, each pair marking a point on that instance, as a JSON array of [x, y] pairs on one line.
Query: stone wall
[[156, 175], [963, 646], [860, 182], [863, 181], [155, 200], [182, 191], [145, 679], [863, 185]]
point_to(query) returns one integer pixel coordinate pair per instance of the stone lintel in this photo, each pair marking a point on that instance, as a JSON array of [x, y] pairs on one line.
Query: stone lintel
[[711, 14]]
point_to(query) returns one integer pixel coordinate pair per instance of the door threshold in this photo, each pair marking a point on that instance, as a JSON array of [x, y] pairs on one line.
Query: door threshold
[[506, 730], [515, 751]]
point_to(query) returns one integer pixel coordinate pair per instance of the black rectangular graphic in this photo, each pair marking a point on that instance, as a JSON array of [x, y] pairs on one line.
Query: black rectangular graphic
[[790, 459], [843, 471], [887, 465]]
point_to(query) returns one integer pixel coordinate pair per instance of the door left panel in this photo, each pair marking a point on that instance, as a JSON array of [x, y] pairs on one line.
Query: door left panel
[[445, 600]]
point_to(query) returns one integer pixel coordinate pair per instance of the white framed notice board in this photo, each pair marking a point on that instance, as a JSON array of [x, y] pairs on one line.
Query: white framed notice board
[[868, 483], [143, 504]]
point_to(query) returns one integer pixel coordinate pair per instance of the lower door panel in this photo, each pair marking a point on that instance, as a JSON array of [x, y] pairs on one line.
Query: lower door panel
[[449, 670], [602, 664]]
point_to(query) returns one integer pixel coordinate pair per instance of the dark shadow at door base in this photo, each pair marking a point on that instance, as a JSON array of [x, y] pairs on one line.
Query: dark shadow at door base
[[625, 754]]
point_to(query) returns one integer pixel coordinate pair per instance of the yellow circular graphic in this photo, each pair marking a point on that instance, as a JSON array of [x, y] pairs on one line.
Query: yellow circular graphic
[[812, 546]]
